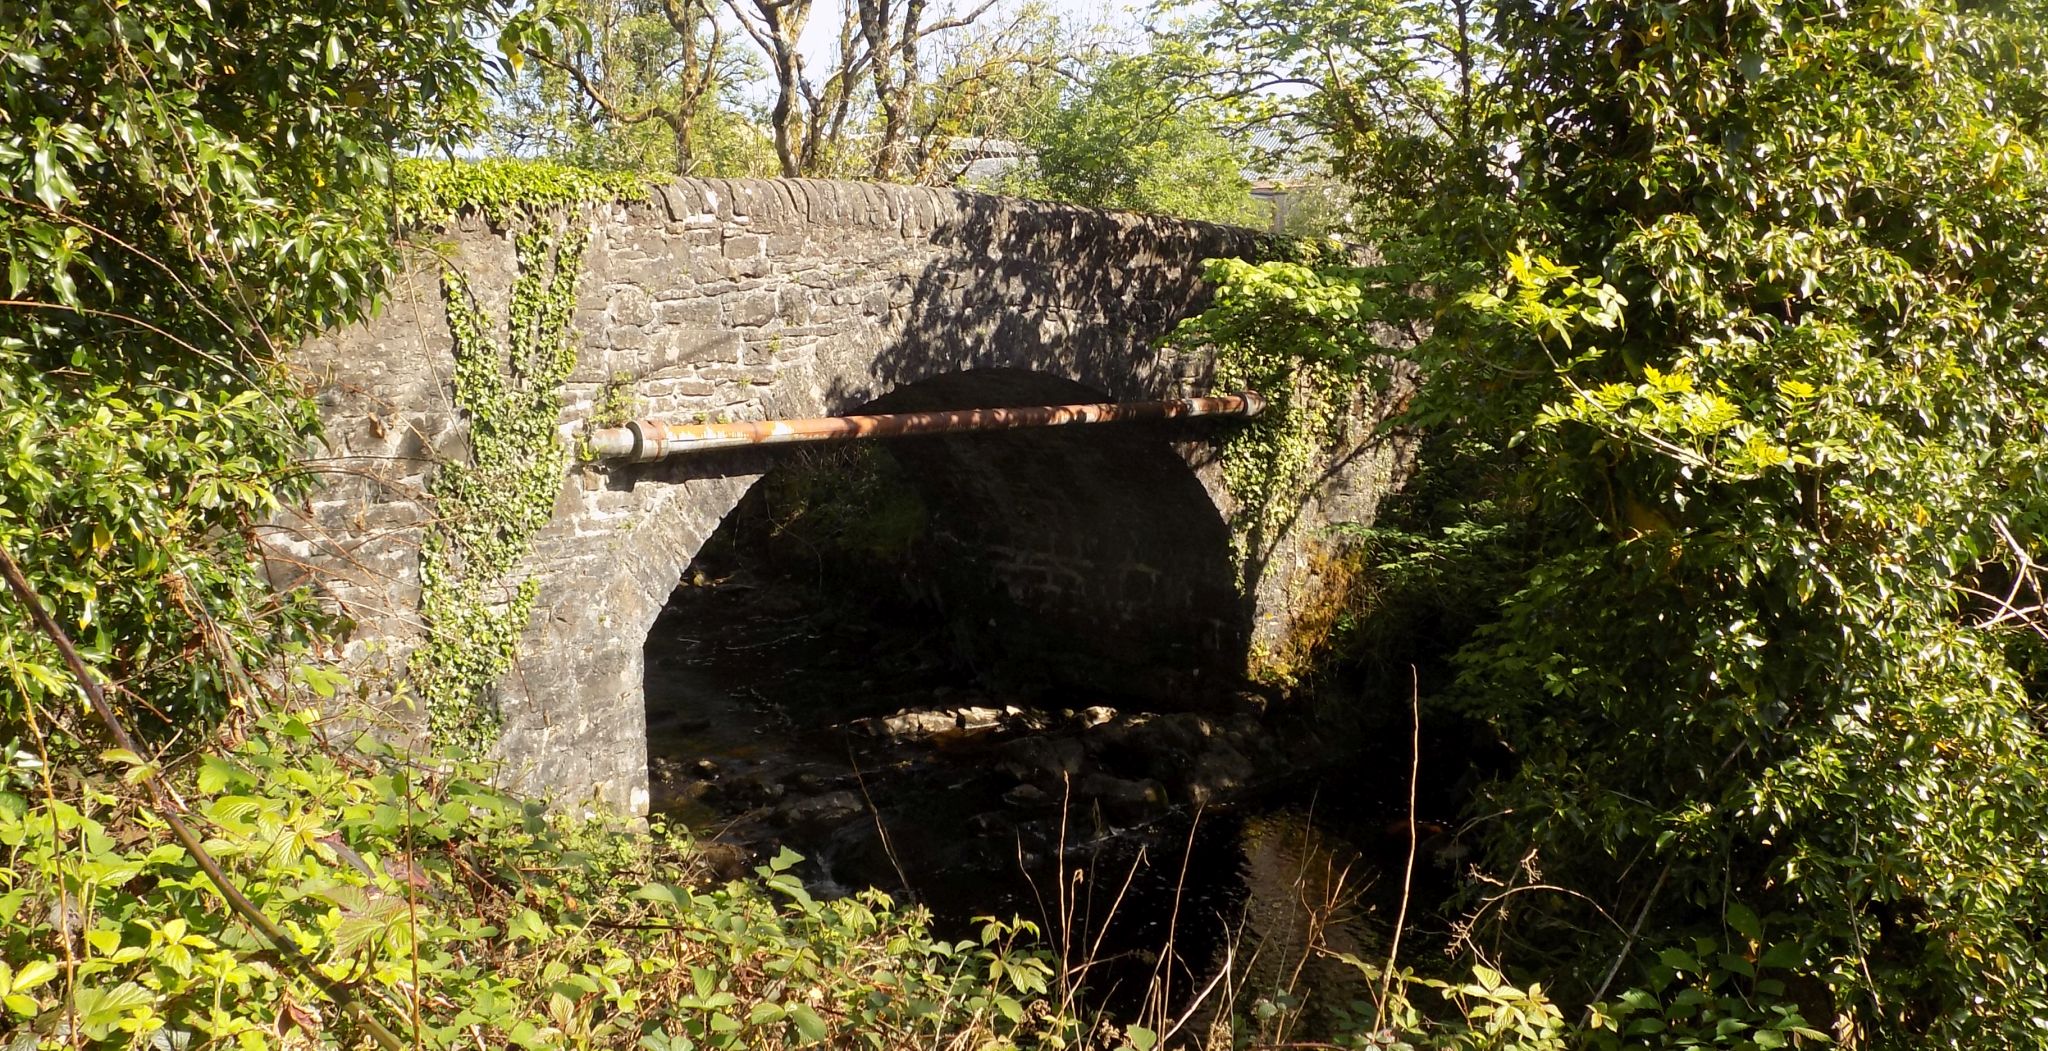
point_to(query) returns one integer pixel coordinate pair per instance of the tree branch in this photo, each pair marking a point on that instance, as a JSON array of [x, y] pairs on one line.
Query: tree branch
[[165, 804]]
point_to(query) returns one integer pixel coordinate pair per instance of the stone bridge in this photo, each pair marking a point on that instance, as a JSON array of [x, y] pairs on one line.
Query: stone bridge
[[780, 298]]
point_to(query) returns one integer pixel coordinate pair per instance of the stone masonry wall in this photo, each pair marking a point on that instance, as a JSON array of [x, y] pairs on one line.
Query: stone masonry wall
[[744, 300]]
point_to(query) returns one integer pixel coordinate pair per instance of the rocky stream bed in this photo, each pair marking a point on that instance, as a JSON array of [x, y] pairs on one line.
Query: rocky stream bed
[[866, 745]]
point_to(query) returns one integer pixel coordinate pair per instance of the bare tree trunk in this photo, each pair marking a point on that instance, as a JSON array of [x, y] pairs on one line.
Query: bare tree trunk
[[680, 126], [775, 26], [830, 106], [874, 25], [893, 50], [897, 101], [810, 121], [699, 72]]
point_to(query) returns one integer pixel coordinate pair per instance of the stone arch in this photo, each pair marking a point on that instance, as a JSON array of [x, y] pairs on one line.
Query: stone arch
[[1101, 546], [749, 299]]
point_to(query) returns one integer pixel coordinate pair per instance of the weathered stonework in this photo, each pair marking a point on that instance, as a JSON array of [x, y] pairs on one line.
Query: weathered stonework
[[744, 300]]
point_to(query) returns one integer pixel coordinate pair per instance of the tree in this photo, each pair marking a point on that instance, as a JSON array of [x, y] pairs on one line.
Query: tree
[[892, 31], [607, 72], [874, 81], [1737, 318], [804, 120], [1124, 137], [649, 85], [1392, 97], [184, 193]]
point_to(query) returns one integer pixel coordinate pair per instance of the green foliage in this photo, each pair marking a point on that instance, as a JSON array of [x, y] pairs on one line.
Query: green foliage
[[479, 914], [1769, 473], [1741, 305], [429, 194], [630, 85], [183, 192], [1127, 138], [1489, 1013], [489, 510], [1397, 105], [616, 403], [1689, 1004], [1713, 994], [1299, 336], [991, 84]]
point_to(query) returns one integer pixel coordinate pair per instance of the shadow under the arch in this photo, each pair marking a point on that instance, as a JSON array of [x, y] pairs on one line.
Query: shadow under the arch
[[1056, 291], [1057, 567], [969, 641]]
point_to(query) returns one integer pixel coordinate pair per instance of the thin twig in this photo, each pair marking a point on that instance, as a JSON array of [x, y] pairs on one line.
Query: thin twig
[[1162, 973], [64, 911], [1634, 930], [1408, 872], [1650, 901], [881, 830]]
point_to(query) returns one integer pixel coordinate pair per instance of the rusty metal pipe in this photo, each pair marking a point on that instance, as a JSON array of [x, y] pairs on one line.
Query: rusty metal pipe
[[654, 439]]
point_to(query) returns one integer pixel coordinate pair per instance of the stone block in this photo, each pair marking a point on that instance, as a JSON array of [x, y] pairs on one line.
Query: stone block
[[743, 375], [703, 311], [625, 337], [695, 346], [706, 267], [629, 305], [752, 310], [793, 305]]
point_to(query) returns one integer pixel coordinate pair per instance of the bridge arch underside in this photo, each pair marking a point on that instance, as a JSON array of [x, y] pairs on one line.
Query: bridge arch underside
[[1071, 559], [1060, 565]]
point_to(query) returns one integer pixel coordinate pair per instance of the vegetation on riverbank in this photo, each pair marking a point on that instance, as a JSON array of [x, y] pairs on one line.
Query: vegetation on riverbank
[[183, 200], [1728, 319], [463, 917], [1729, 322]]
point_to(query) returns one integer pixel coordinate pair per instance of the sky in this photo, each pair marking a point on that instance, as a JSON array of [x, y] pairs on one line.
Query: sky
[[821, 35]]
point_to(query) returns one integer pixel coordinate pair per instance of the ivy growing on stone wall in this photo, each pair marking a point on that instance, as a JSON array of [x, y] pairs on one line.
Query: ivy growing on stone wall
[[1295, 334], [473, 603], [492, 507], [504, 192], [1300, 335]]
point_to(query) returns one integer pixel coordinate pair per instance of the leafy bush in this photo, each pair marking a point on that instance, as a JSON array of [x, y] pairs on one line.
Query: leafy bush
[[1131, 138], [1756, 377], [478, 917], [184, 190]]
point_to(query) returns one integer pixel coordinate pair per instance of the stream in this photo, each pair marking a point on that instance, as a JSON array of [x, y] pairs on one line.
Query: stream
[[846, 671], [863, 743]]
